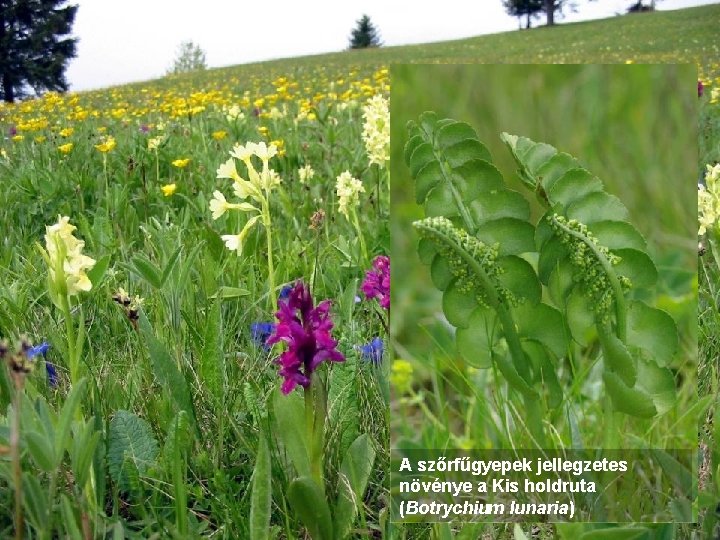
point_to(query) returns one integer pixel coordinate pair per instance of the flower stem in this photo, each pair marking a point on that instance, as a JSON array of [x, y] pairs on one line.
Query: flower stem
[[15, 455], [268, 235]]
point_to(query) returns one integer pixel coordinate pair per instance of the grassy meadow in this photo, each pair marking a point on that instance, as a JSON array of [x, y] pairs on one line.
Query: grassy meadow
[[150, 400]]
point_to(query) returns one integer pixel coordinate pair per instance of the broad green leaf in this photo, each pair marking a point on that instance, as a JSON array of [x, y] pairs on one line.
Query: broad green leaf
[[518, 277], [41, 450], [410, 146], [505, 363], [560, 284], [428, 177], [551, 256], [572, 186], [458, 304], [65, 418], [597, 206], [147, 270], [130, 438], [536, 156], [479, 177], [166, 370], [514, 236], [308, 502], [464, 151], [453, 133], [580, 318], [290, 418], [97, 272], [617, 358], [628, 400], [426, 251], [617, 235], [637, 266], [653, 331], [421, 156], [353, 477], [542, 323], [441, 201], [212, 358], [261, 497], [475, 342], [551, 171], [499, 204], [658, 383], [440, 272]]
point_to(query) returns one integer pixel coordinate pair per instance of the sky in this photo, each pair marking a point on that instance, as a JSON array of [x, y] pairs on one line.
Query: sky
[[136, 40]]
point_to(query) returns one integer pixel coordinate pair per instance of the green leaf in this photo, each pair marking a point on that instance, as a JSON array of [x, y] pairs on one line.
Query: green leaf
[[475, 342], [540, 357], [653, 331], [542, 323], [553, 169], [518, 276], [261, 497], [427, 178], [518, 533], [227, 293], [617, 235], [212, 359], [41, 450], [147, 270], [421, 156], [572, 186], [464, 151], [580, 318], [166, 370], [637, 266], [453, 133], [352, 479], [597, 206], [440, 272], [426, 250], [617, 358], [628, 400], [308, 502], [69, 520], [85, 442], [170, 265], [130, 438], [97, 272], [67, 413], [658, 383], [35, 501], [441, 202], [458, 304], [476, 177], [514, 236], [410, 146], [499, 204], [552, 255], [290, 418]]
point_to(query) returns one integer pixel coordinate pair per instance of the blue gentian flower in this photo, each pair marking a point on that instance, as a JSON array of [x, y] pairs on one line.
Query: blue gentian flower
[[260, 332], [373, 351], [51, 374], [38, 349], [285, 292]]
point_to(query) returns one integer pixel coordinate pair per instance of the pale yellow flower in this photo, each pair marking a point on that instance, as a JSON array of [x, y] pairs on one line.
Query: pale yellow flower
[[64, 251], [348, 191], [154, 142], [219, 205], [234, 242], [306, 173], [376, 130], [228, 170]]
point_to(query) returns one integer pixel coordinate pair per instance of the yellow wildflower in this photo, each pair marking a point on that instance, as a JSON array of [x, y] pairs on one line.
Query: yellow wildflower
[[348, 191], [107, 145], [18, 138], [219, 135], [181, 163], [66, 132], [65, 148], [154, 142], [66, 263], [168, 189]]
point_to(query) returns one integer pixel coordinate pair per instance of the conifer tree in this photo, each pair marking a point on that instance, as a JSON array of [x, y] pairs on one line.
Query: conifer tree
[[35, 46], [365, 34]]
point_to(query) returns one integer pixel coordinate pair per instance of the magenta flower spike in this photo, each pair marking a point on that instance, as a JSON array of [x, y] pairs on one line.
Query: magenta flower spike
[[377, 281], [305, 328]]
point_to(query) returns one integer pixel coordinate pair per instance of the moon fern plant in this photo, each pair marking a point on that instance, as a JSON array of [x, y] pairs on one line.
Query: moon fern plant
[[524, 296], [473, 237], [594, 263]]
